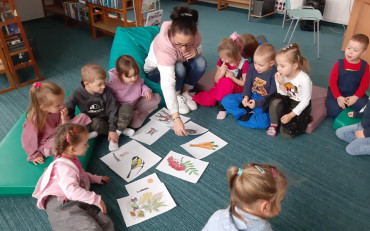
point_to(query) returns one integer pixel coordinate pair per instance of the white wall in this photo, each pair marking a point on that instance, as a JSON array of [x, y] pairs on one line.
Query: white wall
[[29, 9]]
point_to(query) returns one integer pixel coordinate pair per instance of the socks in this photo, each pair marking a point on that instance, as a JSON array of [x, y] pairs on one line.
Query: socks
[[128, 132], [221, 115], [93, 134], [112, 146]]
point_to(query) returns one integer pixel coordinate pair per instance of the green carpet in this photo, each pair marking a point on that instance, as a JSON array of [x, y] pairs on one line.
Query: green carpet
[[328, 189]]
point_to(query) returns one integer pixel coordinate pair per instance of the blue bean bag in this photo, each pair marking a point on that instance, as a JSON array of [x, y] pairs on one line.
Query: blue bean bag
[[18, 176], [135, 41]]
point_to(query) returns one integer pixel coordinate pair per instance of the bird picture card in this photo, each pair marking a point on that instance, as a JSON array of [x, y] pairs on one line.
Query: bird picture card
[[194, 129], [183, 167], [146, 204], [131, 160], [150, 132], [164, 116], [204, 145], [142, 184]]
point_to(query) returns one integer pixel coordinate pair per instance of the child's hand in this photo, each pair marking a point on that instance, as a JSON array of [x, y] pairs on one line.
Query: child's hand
[[102, 207], [351, 100], [341, 102], [38, 160], [105, 179], [229, 74], [251, 103], [279, 78], [149, 95], [223, 68], [113, 136], [359, 134], [245, 101], [287, 118], [64, 115], [350, 114]]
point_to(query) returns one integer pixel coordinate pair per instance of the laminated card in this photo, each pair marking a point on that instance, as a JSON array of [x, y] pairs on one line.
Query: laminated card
[[146, 204], [204, 145], [183, 167], [150, 132], [131, 160]]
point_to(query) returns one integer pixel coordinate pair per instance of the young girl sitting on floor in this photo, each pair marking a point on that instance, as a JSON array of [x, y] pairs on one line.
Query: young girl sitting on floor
[[45, 113], [256, 192], [63, 189], [291, 105], [357, 135], [133, 96], [230, 75]]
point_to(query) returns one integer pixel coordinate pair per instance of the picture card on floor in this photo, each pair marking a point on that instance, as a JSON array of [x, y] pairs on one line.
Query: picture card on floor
[[164, 116], [194, 129], [146, 204], [204, 145], [131, 160], [142, 184], [183, 167], [150, 132]]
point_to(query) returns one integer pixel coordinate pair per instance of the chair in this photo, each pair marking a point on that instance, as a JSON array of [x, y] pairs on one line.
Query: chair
[[303, 13]]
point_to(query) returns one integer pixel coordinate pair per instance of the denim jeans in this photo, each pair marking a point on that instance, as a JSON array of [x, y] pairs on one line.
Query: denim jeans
[[186, 73], [356, 146]]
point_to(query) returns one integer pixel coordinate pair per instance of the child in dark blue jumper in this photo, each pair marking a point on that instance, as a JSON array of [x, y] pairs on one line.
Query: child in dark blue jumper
[[357, 135]]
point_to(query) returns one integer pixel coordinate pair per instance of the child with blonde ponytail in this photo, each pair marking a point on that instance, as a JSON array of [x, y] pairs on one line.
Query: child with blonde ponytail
[[45, 113], [256, 192]]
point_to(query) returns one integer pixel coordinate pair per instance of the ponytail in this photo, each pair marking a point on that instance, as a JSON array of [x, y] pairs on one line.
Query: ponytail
[[293, 54], [184, 21]]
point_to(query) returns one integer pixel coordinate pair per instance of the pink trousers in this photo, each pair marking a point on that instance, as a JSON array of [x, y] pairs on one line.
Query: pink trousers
[[225, 86]]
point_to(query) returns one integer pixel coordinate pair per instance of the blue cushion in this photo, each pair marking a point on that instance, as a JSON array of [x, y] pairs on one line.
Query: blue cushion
[[135, 42]]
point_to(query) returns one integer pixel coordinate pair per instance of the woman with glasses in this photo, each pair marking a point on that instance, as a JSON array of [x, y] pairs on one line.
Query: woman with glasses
[[175, 62]]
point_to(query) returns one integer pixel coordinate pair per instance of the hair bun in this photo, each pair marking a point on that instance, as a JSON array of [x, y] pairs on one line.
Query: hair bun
[[184, 13]]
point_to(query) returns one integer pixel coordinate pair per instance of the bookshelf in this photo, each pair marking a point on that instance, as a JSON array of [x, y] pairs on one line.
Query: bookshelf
[[4, 69], [16, 52], [107, 18], [71, 10]]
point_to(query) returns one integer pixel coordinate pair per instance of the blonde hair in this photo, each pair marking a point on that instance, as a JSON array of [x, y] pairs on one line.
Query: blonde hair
[[267, 51], [250, 44], [68, 134], [39, 97], [293, 54], [232, 48], [251, 185], [361, 38], [91, 72], [124, 64]]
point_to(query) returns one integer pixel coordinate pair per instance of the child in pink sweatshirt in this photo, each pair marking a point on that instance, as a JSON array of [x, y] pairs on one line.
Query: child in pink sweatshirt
[[133, 96], [63, 189]]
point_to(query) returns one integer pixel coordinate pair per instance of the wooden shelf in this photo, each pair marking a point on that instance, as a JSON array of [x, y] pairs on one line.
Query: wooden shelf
[[56, 9]]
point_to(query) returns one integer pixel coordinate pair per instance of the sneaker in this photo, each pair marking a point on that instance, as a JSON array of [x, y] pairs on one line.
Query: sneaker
[[112, 146], [271, 131], [183, 108], [189, 101]]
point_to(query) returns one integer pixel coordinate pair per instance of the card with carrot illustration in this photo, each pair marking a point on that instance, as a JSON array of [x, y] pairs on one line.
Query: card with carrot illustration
[[183, 167], [204, 145]]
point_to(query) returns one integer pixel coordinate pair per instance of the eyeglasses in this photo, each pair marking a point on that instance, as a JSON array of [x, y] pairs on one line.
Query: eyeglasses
[[180, 45]]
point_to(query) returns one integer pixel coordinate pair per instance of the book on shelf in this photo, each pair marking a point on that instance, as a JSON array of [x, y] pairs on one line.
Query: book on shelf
[[6, 15], [148, 5], [76, 10], [154, 18]]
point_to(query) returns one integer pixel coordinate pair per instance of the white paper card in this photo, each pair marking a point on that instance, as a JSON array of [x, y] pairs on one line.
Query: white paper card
[[164, 116], [183, 167], [131, 160], [194, 129], [142, 184], [204, 145], [142, 206], [150, 132]]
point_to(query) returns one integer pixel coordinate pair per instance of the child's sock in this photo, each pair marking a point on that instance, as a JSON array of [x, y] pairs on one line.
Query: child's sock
[[112, 146], [93, 134], [128, 132], [246, 117], [221, 115]]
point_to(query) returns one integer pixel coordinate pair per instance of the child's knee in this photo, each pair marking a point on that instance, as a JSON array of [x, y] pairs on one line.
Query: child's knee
[[124, 116], [100, 126]]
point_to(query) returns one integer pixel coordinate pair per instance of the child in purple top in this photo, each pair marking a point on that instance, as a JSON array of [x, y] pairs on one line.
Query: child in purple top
[[130, 91]]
